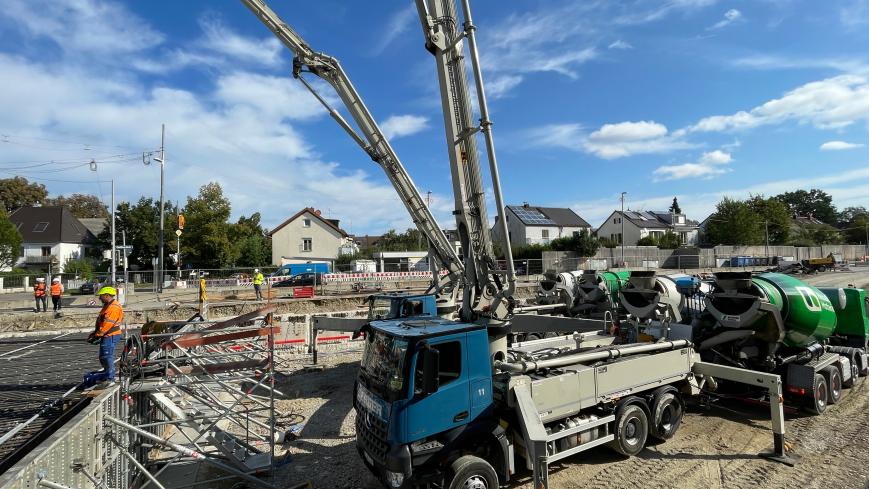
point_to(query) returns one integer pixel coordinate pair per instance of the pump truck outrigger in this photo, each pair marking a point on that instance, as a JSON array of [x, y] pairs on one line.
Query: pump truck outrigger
[[448, 402]]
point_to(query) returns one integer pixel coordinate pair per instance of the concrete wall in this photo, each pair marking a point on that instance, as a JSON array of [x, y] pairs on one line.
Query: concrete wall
[[287, 241], [645, 256]]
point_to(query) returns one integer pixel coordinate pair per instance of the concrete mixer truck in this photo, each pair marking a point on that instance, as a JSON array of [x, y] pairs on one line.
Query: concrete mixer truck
[[587, 293], [815, 339]]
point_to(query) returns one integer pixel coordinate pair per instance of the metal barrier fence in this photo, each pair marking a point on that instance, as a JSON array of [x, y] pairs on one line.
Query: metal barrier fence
[[84, 452]]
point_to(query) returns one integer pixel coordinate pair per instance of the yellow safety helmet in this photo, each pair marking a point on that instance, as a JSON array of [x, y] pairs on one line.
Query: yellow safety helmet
[[107, 290]]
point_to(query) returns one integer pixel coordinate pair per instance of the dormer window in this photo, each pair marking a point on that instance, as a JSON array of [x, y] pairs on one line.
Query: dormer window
[[40, 227]]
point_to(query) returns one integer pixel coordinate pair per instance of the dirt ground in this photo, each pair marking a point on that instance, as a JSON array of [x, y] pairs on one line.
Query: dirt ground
[[716, 447]]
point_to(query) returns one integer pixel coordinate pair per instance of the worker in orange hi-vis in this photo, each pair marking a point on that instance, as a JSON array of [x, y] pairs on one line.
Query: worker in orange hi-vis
[[107, 331], [56, 293], [39, 294]]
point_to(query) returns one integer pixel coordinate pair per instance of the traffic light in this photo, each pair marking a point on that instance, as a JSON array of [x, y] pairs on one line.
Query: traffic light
[[180, 221]]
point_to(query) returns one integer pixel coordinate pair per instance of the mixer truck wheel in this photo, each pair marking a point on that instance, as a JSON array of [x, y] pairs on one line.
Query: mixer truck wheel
[[819, 395], [667, 412], [631, 430], [470, 472], [834, 383]]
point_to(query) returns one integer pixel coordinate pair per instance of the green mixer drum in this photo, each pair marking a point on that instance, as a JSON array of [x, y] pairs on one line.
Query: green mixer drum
[[807, 313], [851, 320], [614, 282]]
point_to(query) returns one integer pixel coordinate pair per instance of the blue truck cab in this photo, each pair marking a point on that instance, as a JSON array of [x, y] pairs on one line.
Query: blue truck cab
[[401, 305], [423, 395]]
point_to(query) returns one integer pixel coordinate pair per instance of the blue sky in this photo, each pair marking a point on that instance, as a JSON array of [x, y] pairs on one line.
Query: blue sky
[[691, 98]]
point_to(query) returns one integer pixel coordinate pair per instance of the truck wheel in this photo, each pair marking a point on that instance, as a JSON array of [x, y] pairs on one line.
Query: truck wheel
[[470, 472], [834, 383], [631, 430], [822, 268], [819, 395], [666, 415]]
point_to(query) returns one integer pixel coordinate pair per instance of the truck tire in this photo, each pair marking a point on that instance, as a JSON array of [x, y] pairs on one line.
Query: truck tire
[[834, 383], [631, 430], [470, 472], [819, 395], [822, 268], [667, 410]]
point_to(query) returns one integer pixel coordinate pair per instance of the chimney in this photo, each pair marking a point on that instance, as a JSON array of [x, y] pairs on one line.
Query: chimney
[[525, 205]]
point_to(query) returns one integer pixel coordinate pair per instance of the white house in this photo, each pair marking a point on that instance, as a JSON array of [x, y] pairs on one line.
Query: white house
[[50, 236], [529, 224], [308, 236], [640, 224]]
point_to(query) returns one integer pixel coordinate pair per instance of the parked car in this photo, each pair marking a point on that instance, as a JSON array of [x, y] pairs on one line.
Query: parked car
[[91, 286], [301, 280]]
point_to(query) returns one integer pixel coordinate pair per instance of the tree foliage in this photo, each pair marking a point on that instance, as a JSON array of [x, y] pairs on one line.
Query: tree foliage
[[81, 267], [674, 207], [583, 243], [734, 223], [253, 246], [141, 223], [854, 222], [669, 241], [410, 240], [814, 202], [81, 205], [774, 215], [10, 242], [17, 192], [206, 240]]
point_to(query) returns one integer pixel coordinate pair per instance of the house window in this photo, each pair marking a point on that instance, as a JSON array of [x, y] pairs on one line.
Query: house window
[[306, 223], [40, 227], [307, 244], [544, 234], [46, 251]]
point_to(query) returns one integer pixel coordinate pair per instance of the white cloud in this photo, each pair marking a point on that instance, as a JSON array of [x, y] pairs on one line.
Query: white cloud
[[839, 146], [710, 165], [223, 40], [83, 26], [398, 23], [652, 11], [854, 13], [827, 104], [730, 17], [611, 140], [620, 44], [774, 62], [500, 86], [397, 126]]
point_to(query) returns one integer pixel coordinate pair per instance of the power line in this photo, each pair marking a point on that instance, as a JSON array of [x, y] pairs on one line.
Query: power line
[[7, 138]]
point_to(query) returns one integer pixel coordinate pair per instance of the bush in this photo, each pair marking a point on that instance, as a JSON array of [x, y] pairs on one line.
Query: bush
[[81, 267]]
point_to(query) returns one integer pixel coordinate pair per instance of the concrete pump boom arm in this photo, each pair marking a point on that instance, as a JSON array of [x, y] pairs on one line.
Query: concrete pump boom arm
[[372, 141]]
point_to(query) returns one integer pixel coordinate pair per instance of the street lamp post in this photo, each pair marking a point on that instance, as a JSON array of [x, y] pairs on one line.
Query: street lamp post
[[162, 160], [622, 234]]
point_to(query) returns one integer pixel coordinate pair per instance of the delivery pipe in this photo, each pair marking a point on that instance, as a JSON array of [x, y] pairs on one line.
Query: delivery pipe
[[607, 354]]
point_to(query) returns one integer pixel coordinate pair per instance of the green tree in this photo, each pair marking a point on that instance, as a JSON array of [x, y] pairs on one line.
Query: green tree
[[17, 192], [583, 243], [669, 241], [81, 267], [10, 242], [410, 240], [854, 222], [674, 207], [81, 205], [206, 240], [254, 247], [607, 243], [647, 241], [141, 223], [775, 215], [814, 202], [734, 223]]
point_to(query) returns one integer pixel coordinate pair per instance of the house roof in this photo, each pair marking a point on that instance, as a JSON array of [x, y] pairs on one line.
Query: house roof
[[547, 216], [367, 241], [50, 225], [315, 213], [653, 219], [94, 224]]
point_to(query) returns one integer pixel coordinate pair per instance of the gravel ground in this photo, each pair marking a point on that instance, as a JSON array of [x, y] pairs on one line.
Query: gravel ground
[[716, 447]]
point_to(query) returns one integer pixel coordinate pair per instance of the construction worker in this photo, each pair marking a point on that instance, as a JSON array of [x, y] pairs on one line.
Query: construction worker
[[107, 331], [56, 293], [257, 283], [39, 294]]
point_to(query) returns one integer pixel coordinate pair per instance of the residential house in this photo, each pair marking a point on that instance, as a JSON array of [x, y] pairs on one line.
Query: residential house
[[51, 236], [529, 224], [641, 224], [308, 236]]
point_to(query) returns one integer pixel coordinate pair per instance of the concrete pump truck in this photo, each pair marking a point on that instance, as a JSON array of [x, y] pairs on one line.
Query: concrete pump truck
[[440, 397]]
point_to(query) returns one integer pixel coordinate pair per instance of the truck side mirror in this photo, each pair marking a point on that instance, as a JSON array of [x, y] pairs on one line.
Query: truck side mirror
[[430, 369]]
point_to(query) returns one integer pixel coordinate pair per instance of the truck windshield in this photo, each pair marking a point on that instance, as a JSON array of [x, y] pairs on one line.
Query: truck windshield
[[383, 363]]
